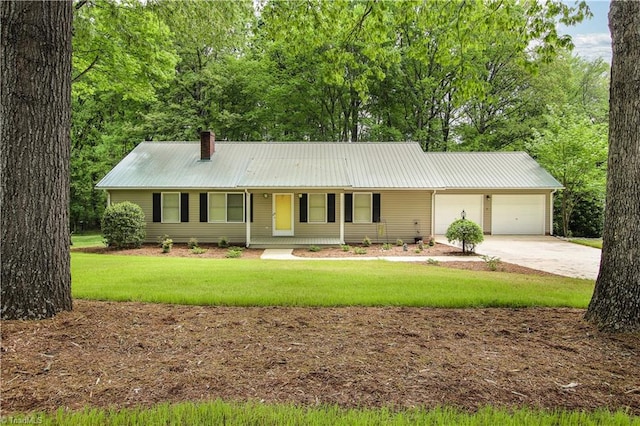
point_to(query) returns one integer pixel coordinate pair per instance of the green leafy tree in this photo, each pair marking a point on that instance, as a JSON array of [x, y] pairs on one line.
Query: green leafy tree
[[122, 55], [574, 151], [466, 232]]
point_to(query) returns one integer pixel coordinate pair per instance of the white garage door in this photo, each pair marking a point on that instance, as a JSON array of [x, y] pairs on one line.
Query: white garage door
[[517, 214], [449, 206]]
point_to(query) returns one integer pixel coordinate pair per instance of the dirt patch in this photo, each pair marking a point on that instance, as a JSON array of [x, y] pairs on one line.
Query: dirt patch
[[211, 251], [109, 354], [379, 250]]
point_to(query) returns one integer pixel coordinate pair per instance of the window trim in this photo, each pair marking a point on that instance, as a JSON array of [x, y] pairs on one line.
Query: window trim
[[226, 208], [324, 208], [357, 194]]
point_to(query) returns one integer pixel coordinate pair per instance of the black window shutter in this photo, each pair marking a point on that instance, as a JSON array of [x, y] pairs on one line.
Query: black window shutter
[[348, 207], [251, 204], [157, 207], [303, 208], [184, 207], [204, 207], [376, 208], [331, 208]]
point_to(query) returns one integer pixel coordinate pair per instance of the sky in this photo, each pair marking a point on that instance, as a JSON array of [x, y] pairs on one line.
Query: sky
[[591, 38]]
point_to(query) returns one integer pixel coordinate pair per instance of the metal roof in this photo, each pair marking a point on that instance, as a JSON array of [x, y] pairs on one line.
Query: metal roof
[[500, 170], [359, 165]]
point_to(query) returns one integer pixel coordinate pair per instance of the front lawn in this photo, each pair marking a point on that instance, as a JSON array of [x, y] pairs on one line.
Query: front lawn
[[250, 282], [219, 412], [591, 242], [92, 239]]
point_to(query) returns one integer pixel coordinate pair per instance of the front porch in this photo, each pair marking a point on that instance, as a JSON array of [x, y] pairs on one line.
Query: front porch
[[293, 242]]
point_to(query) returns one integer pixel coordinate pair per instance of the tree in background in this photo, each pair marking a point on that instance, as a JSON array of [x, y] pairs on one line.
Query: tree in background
[[452, 76], [574, 151], [35, 114], [615, 305], [122, 57]]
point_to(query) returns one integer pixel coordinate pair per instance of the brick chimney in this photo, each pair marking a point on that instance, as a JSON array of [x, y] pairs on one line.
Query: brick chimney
[[207, 144]]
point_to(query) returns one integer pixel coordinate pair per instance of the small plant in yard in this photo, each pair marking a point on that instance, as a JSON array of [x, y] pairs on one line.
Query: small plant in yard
[[160, 239], [345, 247], [418, 250], [366, 242], [399, 242], [198, 250], [421, 245], [466, 232], [387, 246], [223, 242], [315, 248], [360, 250], [193, 243], [233, 253], [123, 225], [492, 262], [434, 262], [432, 242], [167, 244]]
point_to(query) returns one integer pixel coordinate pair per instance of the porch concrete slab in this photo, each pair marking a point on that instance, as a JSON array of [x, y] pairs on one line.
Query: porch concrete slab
[[545, 253], [278, 254], [287, 254]]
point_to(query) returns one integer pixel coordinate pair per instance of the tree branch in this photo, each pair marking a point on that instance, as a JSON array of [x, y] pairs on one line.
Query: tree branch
[[95, 61]]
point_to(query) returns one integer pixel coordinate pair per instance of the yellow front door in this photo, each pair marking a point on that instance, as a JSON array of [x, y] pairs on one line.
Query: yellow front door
[[282, 214]]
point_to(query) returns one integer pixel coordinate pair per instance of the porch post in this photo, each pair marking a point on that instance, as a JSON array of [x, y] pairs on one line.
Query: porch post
[[342, 218], [247, 202]]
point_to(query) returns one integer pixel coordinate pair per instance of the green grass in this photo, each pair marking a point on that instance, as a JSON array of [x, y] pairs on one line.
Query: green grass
[[253, 282], [87, 240], [219, 412], [591, 242]]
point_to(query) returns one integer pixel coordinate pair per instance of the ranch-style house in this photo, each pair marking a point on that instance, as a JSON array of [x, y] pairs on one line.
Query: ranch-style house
[[270, 194]]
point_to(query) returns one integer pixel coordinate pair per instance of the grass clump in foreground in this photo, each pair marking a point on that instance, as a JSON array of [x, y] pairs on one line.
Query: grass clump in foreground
[[254, 282], [219, 412]]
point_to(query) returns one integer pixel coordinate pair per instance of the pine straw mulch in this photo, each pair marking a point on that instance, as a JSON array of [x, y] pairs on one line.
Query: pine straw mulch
[[110, 354]]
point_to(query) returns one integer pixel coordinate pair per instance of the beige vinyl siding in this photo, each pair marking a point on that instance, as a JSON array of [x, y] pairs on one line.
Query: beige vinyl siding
[[181, 232], [487, 203], [399, 212]]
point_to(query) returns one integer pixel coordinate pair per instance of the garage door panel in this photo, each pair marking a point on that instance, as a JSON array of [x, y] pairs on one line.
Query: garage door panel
[[448, 208], [518, 214]]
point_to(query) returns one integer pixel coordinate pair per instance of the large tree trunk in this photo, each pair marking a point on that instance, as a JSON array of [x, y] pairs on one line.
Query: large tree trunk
[[615, 305], [35, 114]]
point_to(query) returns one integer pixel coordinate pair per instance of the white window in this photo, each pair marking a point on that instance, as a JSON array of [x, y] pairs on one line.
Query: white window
[[317, 208], [226, 207], [171, 207], [362, 208]]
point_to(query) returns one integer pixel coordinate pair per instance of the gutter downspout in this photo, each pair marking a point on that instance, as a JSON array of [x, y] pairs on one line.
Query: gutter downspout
[[248, 218]]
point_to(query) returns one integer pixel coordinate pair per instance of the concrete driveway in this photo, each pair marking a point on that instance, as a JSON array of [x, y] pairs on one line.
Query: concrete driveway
[[544, 253]]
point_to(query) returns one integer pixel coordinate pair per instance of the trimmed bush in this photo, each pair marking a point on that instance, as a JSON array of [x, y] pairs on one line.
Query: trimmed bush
[[466, 232], [123, 225]]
